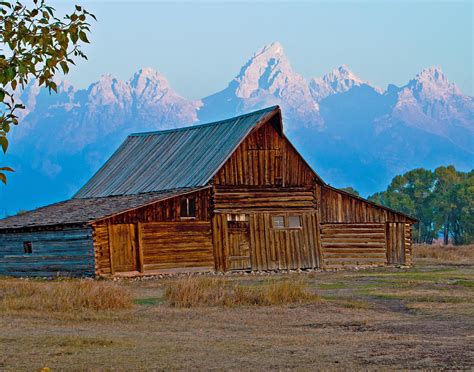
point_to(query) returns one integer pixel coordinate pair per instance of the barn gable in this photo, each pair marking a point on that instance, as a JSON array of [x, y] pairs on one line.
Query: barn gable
[[266, 158]]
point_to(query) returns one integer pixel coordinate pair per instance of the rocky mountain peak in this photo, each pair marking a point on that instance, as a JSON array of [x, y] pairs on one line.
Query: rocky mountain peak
[[149, 84], [432, 84], [339, 80]]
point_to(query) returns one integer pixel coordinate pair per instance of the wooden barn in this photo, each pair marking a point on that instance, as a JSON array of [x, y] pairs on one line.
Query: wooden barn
[[229, 195]]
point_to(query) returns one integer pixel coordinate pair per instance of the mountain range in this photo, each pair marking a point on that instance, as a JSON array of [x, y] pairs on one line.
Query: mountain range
[[350, 131]]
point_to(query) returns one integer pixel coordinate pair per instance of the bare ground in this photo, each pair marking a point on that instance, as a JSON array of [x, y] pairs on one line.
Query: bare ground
[[385, 318]]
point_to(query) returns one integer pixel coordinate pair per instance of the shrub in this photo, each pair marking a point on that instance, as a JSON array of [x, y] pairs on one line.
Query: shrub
[[63, 296], [194, 291], [462, 254]]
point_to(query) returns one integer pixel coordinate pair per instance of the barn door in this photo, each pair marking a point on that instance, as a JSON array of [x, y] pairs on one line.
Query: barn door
[[238, 257], [395, 240], [123, 248]]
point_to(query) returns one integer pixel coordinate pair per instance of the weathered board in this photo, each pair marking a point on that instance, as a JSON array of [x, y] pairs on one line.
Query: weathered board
[[123, 243], [265, 158], [338, 206], [348, 244], [235, 199], [270, 248], [398, 236], [67, 252], [174, 245], [166, 210], [239, 245]]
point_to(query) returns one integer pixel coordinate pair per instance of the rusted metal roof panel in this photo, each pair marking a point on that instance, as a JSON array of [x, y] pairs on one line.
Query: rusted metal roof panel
[[170, 159]]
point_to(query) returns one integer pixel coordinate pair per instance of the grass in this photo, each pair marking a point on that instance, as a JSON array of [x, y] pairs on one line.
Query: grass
[[194, 291], [445, 254], [371, 319], [63, 296]]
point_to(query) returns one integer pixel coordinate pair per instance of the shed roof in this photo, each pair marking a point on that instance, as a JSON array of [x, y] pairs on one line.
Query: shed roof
[[81, 211], [170, 159]]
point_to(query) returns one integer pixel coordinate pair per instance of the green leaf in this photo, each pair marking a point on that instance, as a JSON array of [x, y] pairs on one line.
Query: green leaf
[[4, 144], [64, 66], [83, 37], [53, 86], [2, 95]]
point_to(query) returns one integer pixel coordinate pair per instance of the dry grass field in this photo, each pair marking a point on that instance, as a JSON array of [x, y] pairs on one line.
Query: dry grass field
[[368, 319]]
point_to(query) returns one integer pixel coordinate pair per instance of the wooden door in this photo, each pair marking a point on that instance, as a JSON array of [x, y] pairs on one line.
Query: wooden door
[[123, 248], [395, 242], [238, 257]]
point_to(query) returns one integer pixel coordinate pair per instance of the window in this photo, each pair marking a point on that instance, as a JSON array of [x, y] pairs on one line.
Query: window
[[278, 222], [294, 222], [28, 247], [291, 222], [238, 217], [187, 208]]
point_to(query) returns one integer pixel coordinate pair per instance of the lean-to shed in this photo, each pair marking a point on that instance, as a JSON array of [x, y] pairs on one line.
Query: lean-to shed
[[229, 195]]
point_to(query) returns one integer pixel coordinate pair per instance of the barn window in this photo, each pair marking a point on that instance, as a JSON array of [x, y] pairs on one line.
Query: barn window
[[238, 217], [278, 222], [28, 247], [294, 222], [187, 208]]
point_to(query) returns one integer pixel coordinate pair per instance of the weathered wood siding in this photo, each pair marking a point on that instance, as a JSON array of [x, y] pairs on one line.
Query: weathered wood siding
[[345, 244], [399, 243], [166, 210], [67, 252], [271, 248], [171, 245], [265, 158], [161, 239], [340, 207], [245, 199]]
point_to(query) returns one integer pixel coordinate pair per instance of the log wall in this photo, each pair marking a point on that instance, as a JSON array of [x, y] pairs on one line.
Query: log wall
[[67, 252], [162, 239], [353, 244], [175, 245], [252, 199]]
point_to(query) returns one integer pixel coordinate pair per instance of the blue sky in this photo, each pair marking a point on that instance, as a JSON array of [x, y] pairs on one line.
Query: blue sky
[[200, 46]]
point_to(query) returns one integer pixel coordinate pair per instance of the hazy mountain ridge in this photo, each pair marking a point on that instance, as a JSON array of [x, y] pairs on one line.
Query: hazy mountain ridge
[[351, 132]]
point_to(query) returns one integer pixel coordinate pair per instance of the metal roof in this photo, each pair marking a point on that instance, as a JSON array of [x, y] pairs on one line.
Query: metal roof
[[170, 159], [81, 211]]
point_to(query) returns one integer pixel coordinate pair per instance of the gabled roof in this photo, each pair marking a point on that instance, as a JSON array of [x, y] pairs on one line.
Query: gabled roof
[[170, 159], [81, 211]]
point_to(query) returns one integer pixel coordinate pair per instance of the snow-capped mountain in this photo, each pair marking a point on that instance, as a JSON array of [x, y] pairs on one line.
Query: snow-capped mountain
[[350, 131], [433, 104], [266, 79], [339, 80]]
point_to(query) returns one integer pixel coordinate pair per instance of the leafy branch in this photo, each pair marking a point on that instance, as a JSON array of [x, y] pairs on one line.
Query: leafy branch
[[35, 44]]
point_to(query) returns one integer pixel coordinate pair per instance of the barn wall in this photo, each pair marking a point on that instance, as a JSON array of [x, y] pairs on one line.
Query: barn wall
[[67, 252], [166, 210], [265, 158], [340, 207], [271, 248], [349, 244], [163, 239], [170, 245], [253, 198]]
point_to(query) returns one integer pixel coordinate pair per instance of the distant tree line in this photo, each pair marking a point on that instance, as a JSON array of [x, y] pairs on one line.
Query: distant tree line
[[442, 200]]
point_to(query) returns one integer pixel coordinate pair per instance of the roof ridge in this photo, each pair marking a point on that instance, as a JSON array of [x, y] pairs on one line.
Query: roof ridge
[[198, 126]]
